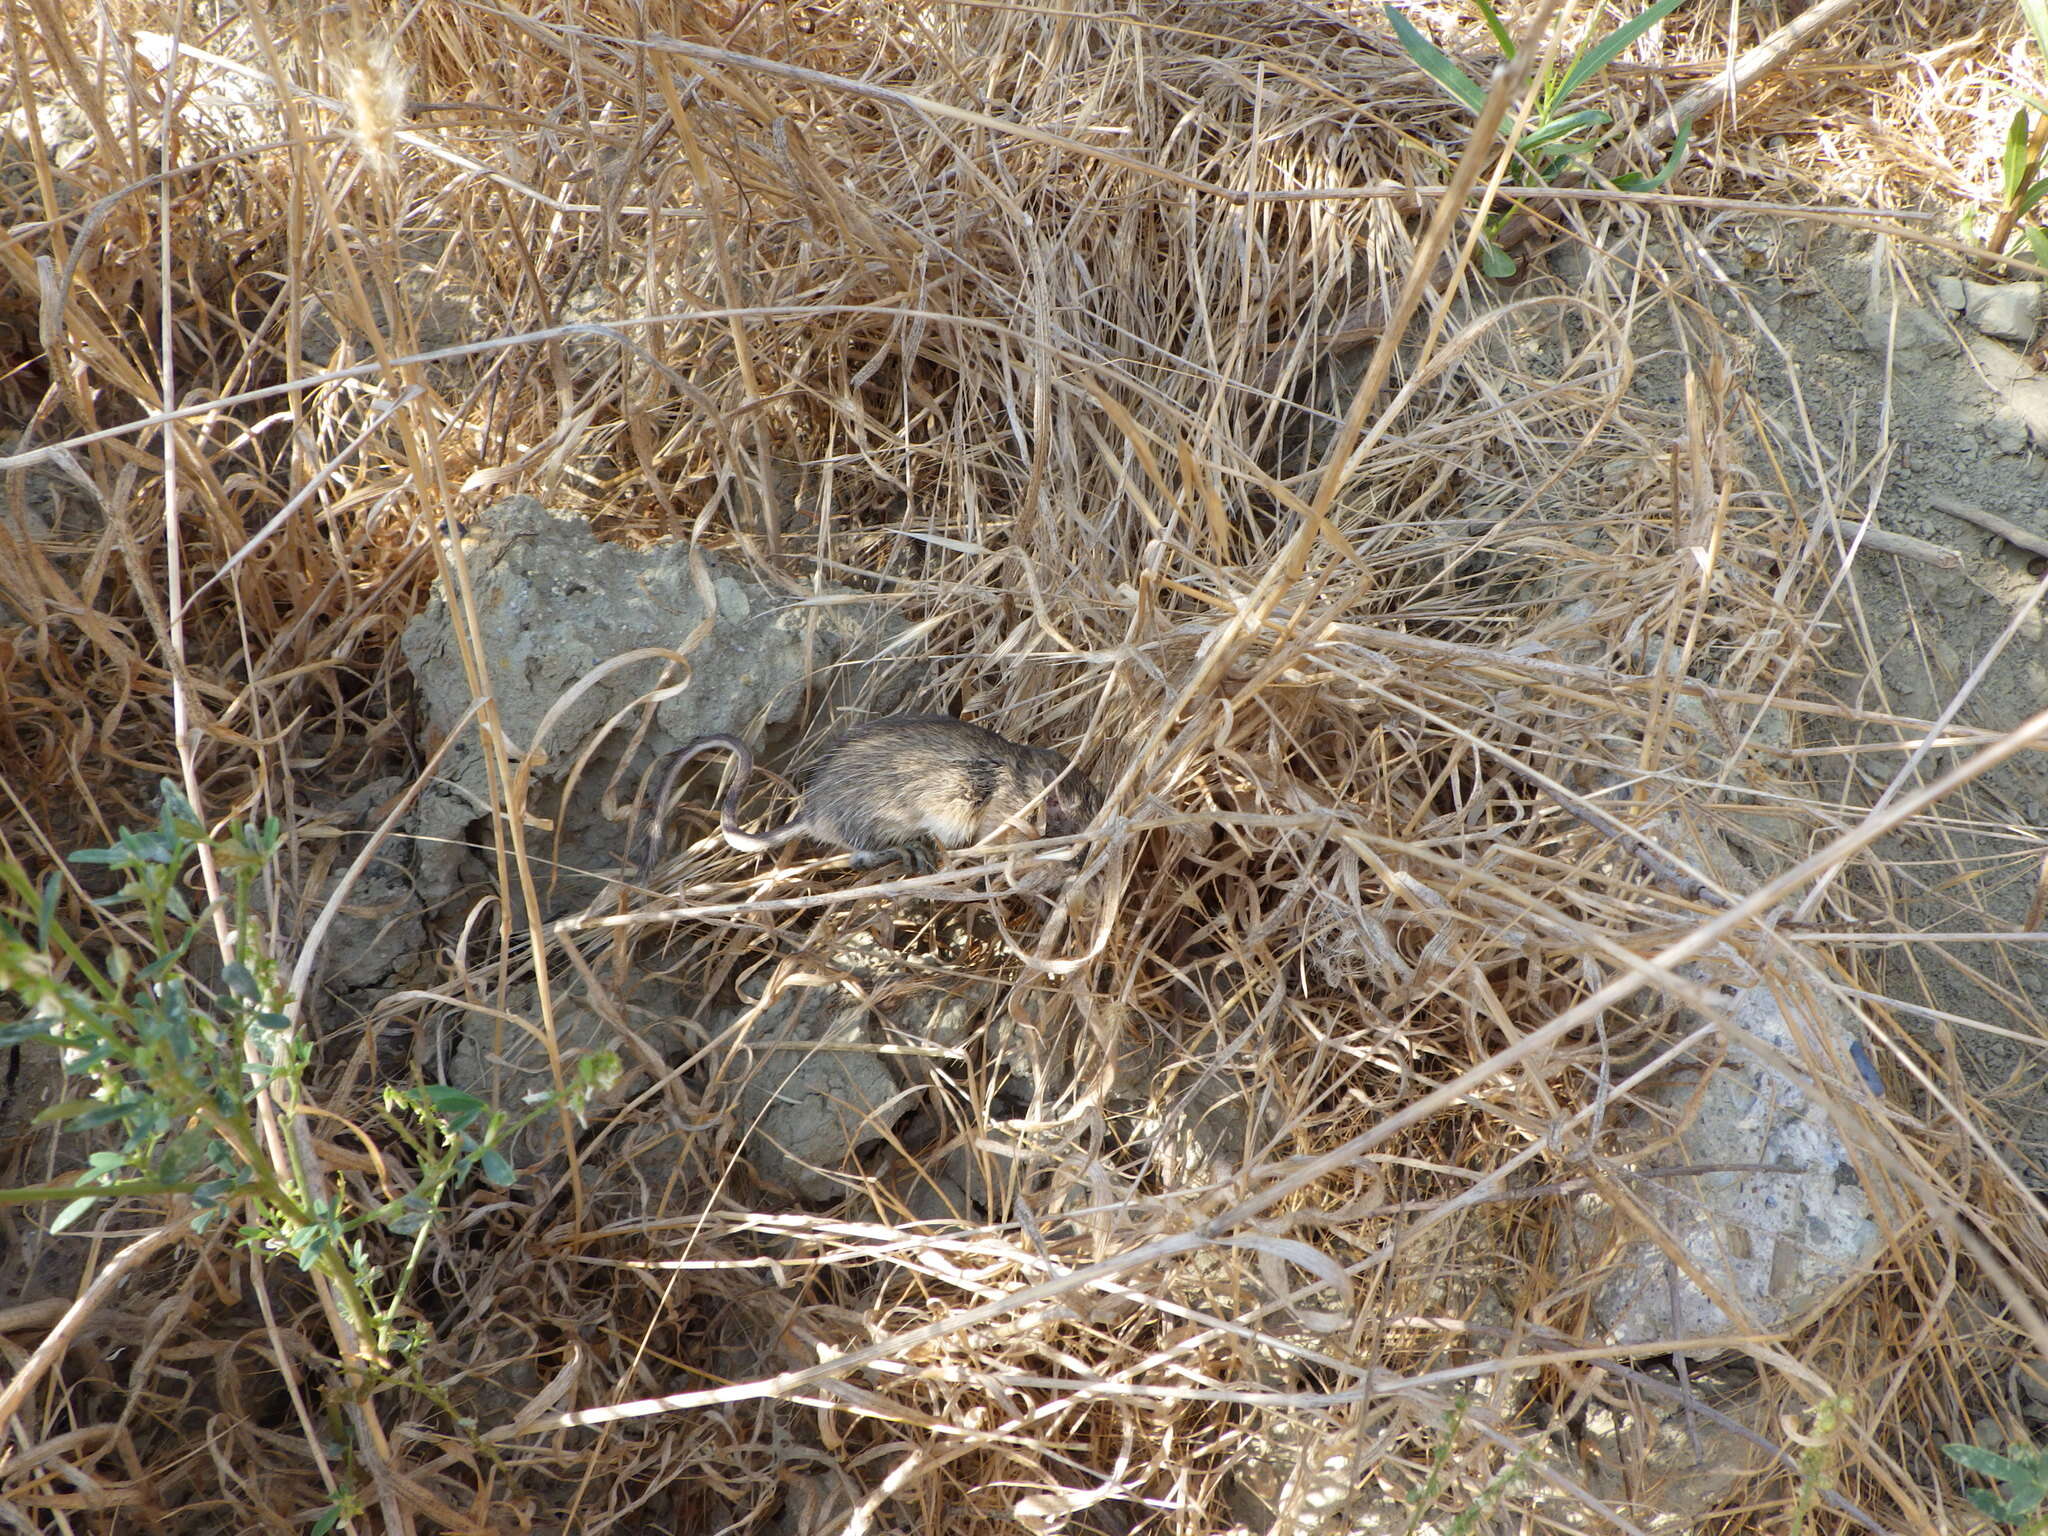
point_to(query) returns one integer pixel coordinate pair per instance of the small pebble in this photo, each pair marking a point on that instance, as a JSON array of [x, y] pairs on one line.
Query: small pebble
[[2033, 1377]]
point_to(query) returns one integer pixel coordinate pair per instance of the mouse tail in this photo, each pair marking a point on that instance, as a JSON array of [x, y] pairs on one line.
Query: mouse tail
[[644, 846]]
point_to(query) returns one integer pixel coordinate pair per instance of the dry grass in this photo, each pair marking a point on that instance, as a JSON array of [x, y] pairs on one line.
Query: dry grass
[[1044, 324]]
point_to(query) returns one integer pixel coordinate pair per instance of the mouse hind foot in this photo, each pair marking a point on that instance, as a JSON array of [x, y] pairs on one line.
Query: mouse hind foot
[[922, 855]]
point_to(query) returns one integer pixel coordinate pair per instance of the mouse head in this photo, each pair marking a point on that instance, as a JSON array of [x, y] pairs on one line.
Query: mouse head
[[1072, 802]]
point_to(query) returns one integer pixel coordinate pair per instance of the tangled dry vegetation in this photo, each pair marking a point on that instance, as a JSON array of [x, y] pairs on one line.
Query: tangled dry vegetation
[[1086, 339]]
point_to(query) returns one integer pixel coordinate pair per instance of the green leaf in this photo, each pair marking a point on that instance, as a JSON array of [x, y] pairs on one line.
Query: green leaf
[[72, 1212], [152, 847], [1494, 261], [2031, 1487], [184, 1156], [1562, 127], [46, 909], [1610, 47], [1435, 63], [176, 807], [1636, 181], [95, 856], [24, 1030], [102, 1114], [16, 879], [2022, 1474], [1491, 17], [1989, 1503], [36, 1194], [1989, 1463], [2030, 197], [2012, 165], [2036, 12], [2037, 246], [495, 1168], [453, 1105], [173, 1002], [91, 1059], [57, 1114], [239, 981]]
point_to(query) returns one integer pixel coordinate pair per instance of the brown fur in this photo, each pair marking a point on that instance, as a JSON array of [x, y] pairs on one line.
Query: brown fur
[[903, 787]]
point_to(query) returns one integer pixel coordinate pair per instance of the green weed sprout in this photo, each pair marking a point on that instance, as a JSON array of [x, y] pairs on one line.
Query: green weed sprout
[[1558, 136], [1424, 1503], [1826, 1424], [172, 1072], [2022, 1478], [2021, 182]]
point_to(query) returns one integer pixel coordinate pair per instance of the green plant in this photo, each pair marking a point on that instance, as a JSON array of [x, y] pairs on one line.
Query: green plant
[[174, 1073], [347, 1505], [2022, 183], [1826, 1424], [2022, 1476], [1425, 1502], [1558, 136]]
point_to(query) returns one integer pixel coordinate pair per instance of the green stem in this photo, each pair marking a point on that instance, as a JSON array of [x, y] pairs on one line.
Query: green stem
[[2009, 213]]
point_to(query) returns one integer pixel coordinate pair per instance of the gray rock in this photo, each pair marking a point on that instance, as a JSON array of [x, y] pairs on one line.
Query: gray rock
[[2022, 394], [964, 1186], [56, 509], [68, 139], [1295, 1478], [815, 1088], [504, 1059], [554, 605], [1949, 290], [2008, 434], [816, 1091], [439, 830], [33, 1080], [1914, 336], [1662, 1470], [1770, 832], [379, 928], [1794, 1224], [2010, 311], [1570, 263], [2033, 1375], [442, 301], [1202, 1128], [1692, 1461]]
